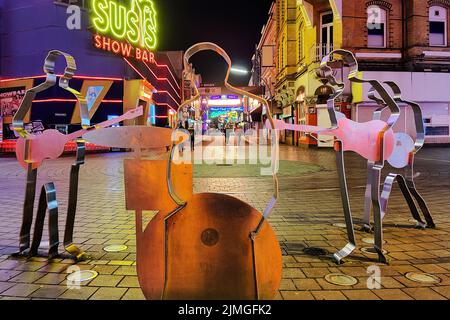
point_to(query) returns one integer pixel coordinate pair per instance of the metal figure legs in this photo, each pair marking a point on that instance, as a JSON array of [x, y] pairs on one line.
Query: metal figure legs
[[28, 209], [375, 178], [47, 201], [69, 246], [411, 195], [350, 247]]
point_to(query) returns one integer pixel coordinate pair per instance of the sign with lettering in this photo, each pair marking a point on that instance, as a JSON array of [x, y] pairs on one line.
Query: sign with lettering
[[130, 31]]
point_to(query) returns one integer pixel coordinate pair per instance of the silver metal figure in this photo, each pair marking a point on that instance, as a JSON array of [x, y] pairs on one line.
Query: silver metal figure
[[375, 167], [48, 200], [402, 158]]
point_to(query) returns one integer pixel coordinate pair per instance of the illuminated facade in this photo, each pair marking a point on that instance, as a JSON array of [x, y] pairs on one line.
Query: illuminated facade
[[403, 41], [106, 71]]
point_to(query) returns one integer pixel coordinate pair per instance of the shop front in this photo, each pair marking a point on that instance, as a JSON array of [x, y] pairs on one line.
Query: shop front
[[113, 77]]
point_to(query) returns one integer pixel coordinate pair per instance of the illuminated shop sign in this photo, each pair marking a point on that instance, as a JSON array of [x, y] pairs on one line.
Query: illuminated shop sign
[[130, 31], [226, 109]]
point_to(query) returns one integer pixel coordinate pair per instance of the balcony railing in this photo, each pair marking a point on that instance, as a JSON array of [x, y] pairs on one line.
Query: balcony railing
[[319, 51]]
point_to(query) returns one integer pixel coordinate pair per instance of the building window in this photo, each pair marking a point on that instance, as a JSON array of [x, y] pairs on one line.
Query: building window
[[438, 26], [376, 27], [326, 32], [300, 44], [438, 131]]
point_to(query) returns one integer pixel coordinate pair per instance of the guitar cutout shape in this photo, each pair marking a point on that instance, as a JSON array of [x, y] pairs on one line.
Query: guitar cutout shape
[[362, 138], [50, 144]]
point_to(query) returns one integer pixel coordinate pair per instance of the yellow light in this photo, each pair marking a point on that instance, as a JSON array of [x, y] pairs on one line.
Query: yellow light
[[136, 24]]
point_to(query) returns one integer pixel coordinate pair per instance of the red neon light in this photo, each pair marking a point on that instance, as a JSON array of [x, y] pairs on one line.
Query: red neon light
[[73, 100], [168, 93], [167, 67], [165, 104], [163, 79], [143, 77], [160, 117], [137, 71], [60, 75]]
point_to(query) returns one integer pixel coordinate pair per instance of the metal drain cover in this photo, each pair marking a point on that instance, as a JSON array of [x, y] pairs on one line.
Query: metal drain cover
[[372, 251], [82, 276], [423, 278], [371, 241], [115, 248], [315, 252], [340, 279], [340, 225]]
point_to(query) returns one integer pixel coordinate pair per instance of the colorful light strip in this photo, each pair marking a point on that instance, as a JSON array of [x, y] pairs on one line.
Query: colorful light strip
[[170, 71], [134, 68], [162, 79], [168, 93], [165, 104], [60, 75], [72, 100], [143, 77]]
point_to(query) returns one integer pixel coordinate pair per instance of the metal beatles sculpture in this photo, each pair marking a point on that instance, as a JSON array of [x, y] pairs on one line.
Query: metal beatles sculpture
[[374, 141], [402, 158], [202, 246], [32, 150]]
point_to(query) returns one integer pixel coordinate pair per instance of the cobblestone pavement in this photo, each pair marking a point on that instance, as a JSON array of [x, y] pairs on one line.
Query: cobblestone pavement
[[304, 218]]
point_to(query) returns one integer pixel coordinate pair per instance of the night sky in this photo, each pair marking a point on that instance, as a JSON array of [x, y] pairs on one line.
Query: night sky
[[235, 25]]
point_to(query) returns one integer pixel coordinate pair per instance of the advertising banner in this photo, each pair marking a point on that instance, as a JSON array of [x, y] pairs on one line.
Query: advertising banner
[[10, 99]]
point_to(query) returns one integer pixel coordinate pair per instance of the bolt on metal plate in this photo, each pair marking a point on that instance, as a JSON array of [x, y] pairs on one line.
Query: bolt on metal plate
[[423, 278], [82, 276], [115, 248], [371, 251], [342, 280]]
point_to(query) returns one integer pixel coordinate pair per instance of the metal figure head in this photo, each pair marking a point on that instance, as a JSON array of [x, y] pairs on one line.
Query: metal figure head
[[50, 81]]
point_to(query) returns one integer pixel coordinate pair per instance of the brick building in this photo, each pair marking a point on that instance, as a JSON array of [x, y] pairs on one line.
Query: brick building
[[406, 41]]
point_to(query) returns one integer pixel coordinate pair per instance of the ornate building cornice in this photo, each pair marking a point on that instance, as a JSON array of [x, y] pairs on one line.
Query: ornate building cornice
[[443, 3], [383, 4]]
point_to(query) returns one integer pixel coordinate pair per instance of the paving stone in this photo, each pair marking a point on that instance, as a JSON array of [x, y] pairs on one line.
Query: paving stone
[[49, 292], [297, 295], [108, 294], [129, 282], [392, 294], [328, 295], [443, 291], [28, 277], [21, 290], [126, 271], [6, 275], [5, 286], [83, 293], [423, 294], [133, 294], [360, 295], [316, 272], [52, 278], [106, 281], [306, 284]]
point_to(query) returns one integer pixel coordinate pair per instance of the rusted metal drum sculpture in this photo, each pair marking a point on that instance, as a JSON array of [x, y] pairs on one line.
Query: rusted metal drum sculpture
[[207, 246], [202, 246]]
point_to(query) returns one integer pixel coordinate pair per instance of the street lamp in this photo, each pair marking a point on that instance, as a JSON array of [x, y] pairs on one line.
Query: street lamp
[[240, 71]]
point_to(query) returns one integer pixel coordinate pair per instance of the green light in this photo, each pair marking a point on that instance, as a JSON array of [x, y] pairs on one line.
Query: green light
[[136, 24]]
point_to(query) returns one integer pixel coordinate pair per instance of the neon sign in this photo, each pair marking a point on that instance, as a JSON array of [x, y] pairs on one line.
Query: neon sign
[[135, 25]]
